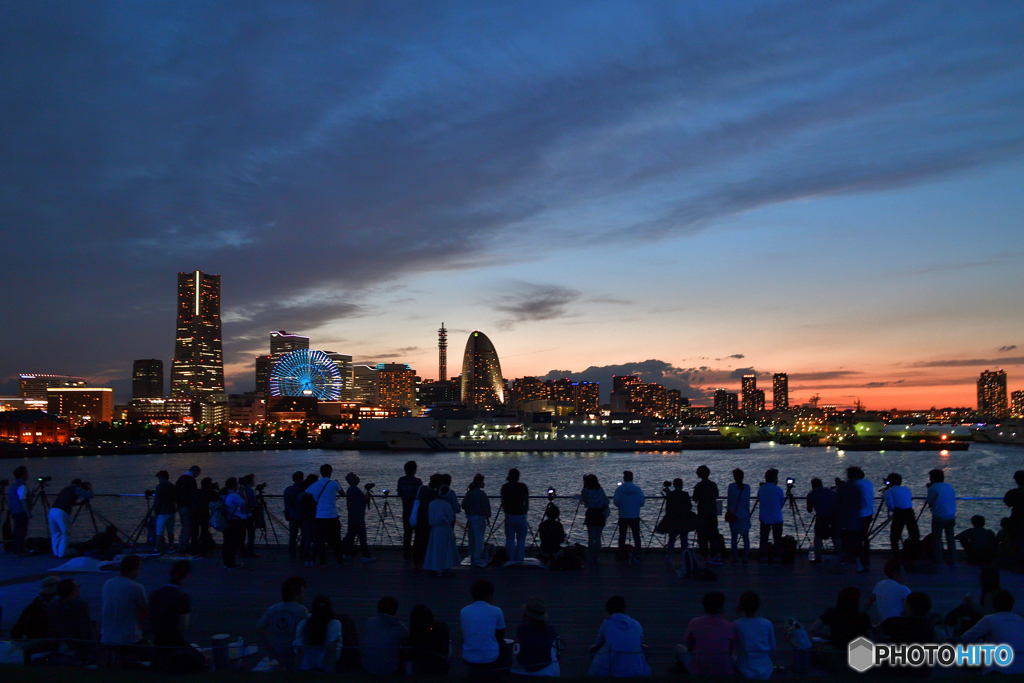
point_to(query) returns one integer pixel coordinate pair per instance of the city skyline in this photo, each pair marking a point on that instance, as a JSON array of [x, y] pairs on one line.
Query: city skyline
[[691, 192]]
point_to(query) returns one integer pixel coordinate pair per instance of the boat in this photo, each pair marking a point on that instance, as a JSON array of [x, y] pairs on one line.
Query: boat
[[1006, 433]]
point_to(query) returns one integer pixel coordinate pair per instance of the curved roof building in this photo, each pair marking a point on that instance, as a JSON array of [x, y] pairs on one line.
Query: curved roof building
[[482, 384]]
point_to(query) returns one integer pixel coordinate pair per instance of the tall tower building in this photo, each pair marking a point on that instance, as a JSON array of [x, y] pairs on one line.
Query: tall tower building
[[198, 367], [1017, 403], [992, 393], [482, 384], [442, 354], [726, 405], [749, 394], [780, 391], [148, 378]]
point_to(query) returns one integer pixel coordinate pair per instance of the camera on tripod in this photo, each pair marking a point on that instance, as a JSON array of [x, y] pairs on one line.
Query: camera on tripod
[[149, 493], [790, 481], [260, 487], [551, 493], [369, 486], [386, 492], [44, 480], [666, 486]]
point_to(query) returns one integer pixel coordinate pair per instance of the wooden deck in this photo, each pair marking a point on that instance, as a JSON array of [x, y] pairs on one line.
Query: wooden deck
[[231, 601]]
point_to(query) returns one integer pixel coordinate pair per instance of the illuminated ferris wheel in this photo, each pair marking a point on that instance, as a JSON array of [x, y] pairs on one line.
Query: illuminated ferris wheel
[[306, 372]]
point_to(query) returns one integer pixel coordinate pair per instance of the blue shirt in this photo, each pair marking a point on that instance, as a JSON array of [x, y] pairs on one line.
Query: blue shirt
[[18, 502], [770, 498], [867, 492], [942, 501], [629, 498]]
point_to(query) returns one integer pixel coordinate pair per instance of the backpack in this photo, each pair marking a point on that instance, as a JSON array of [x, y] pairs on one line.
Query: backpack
[[691, 563], [219, 515], [787, 550]]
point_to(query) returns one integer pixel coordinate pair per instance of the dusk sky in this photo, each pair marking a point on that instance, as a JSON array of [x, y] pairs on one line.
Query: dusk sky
[[690, 190]]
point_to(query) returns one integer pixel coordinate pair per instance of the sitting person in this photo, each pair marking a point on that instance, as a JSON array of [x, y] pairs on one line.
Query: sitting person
[[68, 618], [755, 639], [1001, 627], [709, 640], [124, 606], [845, 621], [103, 546], [169, 610], [536, 649], [912, 627], [619, 650], [278, 623], [429, 649], [889, 593], [32, 623], [971, 610], [483, 634], [979, 542], [383, 638], [318, 638], [552, 533]]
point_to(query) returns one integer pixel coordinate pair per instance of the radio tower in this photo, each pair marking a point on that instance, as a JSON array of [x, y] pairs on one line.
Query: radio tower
[[442, 354]]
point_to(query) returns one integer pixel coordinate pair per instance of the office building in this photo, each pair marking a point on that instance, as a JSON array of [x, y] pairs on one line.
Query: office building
[[675, 405], [780, 391], [1017, 403], [586, 396], [263, 366], [159, 410], [364, 385], [749, 389], [430, 393], [396, 386], [33, 386], [148, 378], [197, 371], [482, 384], [560, 390], [442, 354], [282, 342], [343, 362], [621, 383], [726, 405], [81, 404], [992, 393]]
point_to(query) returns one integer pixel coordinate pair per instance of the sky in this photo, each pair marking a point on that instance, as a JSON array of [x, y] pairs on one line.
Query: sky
[[690, 191]]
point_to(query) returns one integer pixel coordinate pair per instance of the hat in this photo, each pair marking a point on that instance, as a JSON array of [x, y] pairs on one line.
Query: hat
[[351, 478], [536, 609], [49, 586]]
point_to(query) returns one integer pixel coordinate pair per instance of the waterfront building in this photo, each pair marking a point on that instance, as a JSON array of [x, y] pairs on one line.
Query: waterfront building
[[159, 410], [282, 342], [247, 409], [757, 402], [291, 408], [528, 389], [33, 386], [148, 378], [197, 370], [396, 386], [621, 383], [81, 404], [647, 399], [675, 405], [749, 389], [263, 365], [364, 385], [586, 396], [780, 391], [992, 393], [33, 427], [560, 390], [726, 405], [343, 362], [1017, 403], [482, 382], [431, 393]]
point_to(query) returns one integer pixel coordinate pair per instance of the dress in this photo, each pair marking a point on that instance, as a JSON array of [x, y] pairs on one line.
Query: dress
[[442, 550]]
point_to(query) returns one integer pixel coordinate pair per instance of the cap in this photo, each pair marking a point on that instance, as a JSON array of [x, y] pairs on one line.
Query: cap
[[49, 585], [536, 609]]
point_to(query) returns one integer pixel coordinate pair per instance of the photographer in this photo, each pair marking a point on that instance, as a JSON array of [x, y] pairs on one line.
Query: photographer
[[551, 532], [942, 500], [163, 511], [293, 512], [408, 486], [245, 489], [770, 499], [185, 490], [900, 505], [515, 498], [676, 523], [357, 502], [19, 500], [628, 498], [821, 502], [59, 517]]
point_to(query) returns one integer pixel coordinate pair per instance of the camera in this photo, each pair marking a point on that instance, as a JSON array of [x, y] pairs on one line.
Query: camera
[[386, 492], [149, 493], [260, 487], [551, 493], [790, 481], [369, 486], [888, 483], [44, 480]]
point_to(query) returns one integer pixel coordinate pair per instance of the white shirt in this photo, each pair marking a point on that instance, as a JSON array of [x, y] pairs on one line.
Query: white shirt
[[325, 493], [867, 493], [1001, 628], [890, 596], [756, 646], [122, 600], [898, 498], [234, 505], [313, 656], [479, 622]]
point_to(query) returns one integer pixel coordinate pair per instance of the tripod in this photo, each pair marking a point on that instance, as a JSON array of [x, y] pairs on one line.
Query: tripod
[[657, 520], [383, 514], [264, 515], [147, 522], [876, 528], [798, 519]]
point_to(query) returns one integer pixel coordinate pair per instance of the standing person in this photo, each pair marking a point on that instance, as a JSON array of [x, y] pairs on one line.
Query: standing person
[[278, 623], [705, 495], [628, 498], [755, 639], [483, 634], [478, 510], [293, 513], [325, 494], [421, 519], [942, 500], [452, 497], [429, 649], [770, 499], [595, 501], [1002, 627], [59, 517], [185, 489], [848, 520], [900, 504], [515, 498], [442, 550], [163, 510], [236, 515], [407, 488], [889, 593], [821, 502], [199, 518], [382, 641], [737, 514], [318, 639], [536, 642], [710, 639], [867, 511], [19, 499], [1014, 499], [245, 489], [124, 606], [169, 612], [357, 503], [678, 510], [309, 509], [619, 650]]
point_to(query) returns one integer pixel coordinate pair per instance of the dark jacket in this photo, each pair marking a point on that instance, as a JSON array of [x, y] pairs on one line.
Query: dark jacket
[[292, 506], [68, 497], [476, 503], [426, 496], [355, 500], [515, 498], [408, 487], [678, 510], [163, 499], [705, 495], [184, 490], [847, 508]]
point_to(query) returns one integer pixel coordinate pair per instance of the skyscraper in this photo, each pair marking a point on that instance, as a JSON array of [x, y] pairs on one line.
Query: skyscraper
[[587, 396], [33, 386], [263, 364], [364, 385], [198, 367], [749, 394], [148, 378], [1017, 403], [282, 342], [780, 391], [396, 385], [482, 384], [726, 405], [992, 393], [442, 354]]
